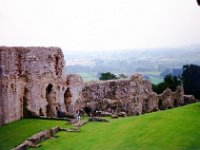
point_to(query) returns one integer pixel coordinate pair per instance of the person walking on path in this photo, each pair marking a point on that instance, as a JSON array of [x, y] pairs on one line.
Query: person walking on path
[[78, 116]]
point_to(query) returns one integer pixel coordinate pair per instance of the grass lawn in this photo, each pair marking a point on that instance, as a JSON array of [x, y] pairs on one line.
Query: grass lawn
[[15, 133], [174, 129]]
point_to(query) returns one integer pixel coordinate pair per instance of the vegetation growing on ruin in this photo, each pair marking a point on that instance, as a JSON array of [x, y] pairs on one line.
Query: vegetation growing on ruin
[[176, 128], [15, 133]]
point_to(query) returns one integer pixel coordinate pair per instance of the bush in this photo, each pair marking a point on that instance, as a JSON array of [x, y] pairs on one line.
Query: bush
[[191, 80], [107, 76], [169, 82]]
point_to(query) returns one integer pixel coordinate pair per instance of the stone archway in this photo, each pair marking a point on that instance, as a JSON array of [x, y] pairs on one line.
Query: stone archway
[[49, 109], [175, 103], [67, 98], [160, 104], [25, 104], [41, 112], [87, 110], [24, 113]]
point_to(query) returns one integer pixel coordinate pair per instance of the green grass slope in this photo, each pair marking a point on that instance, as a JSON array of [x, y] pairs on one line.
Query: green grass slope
[[174, 129], [15, 133]]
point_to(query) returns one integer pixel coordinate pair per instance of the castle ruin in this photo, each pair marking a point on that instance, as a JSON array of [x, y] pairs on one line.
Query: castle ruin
[[33, 83]]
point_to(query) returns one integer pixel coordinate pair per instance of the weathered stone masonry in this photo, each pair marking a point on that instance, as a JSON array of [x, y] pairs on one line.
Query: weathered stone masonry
[[133, 96], [32, 83]]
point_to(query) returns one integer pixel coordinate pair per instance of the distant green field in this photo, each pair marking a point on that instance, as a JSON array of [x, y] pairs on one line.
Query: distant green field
[[155, 73], [15, 133], [156, 80], [154, 76], [88, 77], [174, 129]]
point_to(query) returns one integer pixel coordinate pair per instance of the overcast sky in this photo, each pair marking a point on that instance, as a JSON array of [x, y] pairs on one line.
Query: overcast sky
[[99, 24]]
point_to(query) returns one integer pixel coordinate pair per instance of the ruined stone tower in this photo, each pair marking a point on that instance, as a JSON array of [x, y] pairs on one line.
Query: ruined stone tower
[[31, 82]]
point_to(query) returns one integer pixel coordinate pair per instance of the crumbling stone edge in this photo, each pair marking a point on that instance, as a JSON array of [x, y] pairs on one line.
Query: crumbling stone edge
[[33, 141], [41, 136]]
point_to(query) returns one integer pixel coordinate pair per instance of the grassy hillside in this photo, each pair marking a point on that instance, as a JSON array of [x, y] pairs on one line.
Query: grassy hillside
[[176, 128], [15, 133]]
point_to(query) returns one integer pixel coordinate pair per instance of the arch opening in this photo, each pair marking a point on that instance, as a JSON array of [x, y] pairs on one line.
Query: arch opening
[[67, 98], [49, 110], [175, 103], [160, 104]]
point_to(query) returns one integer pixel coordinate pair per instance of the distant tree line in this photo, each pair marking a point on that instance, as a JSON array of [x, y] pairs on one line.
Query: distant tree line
[[169, 82], [111, 76], [190, 79]]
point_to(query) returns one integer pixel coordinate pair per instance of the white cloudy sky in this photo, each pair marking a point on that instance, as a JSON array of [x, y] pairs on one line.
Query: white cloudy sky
[[99, 24]]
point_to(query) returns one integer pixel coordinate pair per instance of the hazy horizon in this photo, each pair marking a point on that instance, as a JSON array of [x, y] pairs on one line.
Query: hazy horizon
[[137, 49], [92, 25]]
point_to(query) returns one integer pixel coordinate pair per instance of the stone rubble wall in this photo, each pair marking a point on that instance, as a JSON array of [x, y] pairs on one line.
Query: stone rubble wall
[[133, 96], [32, 83], [74, 92], [25, 74], [117, 95]]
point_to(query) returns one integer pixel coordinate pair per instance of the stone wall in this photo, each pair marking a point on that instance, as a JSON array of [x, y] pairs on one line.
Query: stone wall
[[117, 95], [73, 94], [31, 82], [133, 96]]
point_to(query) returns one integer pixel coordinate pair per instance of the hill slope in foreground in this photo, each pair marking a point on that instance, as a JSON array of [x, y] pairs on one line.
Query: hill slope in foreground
[[176, 128]]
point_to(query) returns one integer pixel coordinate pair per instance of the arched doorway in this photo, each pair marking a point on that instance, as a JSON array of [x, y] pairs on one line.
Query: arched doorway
[[49, 89], [67, 98], [24, 104], [160, 104], [87, 110], [175, 103]]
